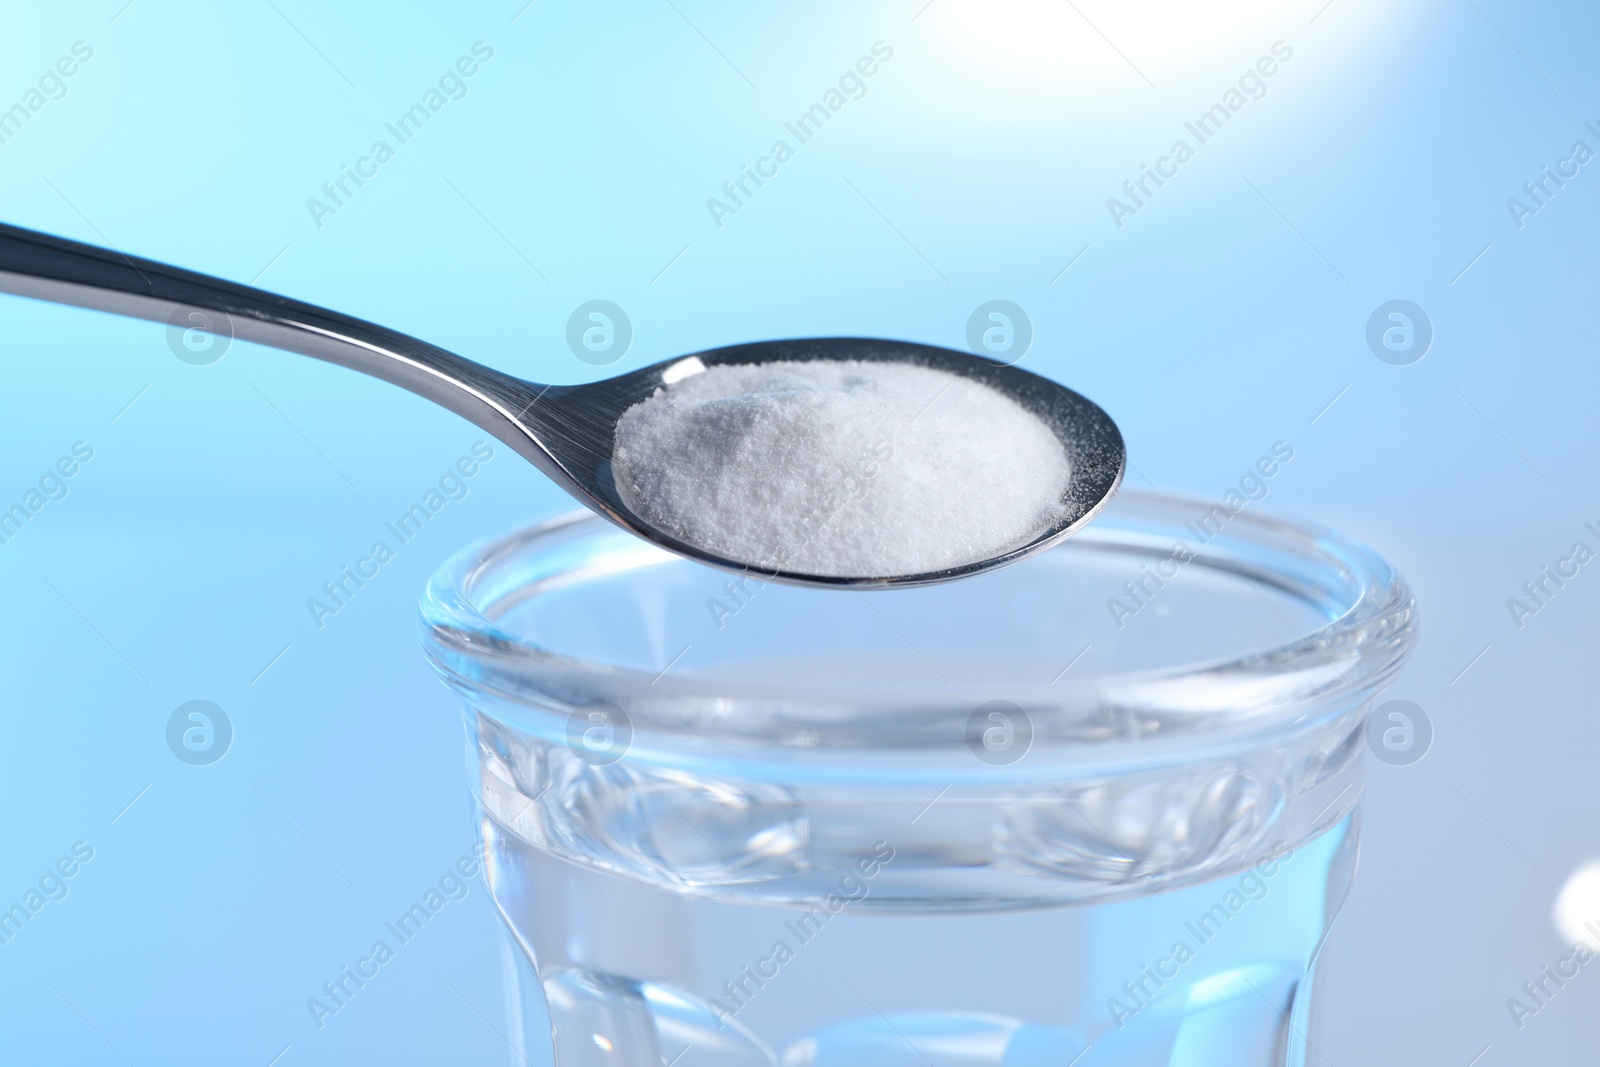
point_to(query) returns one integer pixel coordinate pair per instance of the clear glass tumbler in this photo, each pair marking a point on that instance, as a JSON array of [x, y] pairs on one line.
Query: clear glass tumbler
[[1094, 810]]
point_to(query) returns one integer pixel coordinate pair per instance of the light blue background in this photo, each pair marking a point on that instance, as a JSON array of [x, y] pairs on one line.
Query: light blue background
[[1223, 317]]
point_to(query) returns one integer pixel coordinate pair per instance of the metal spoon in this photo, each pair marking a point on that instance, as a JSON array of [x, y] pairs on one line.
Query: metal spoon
[[566, 431]]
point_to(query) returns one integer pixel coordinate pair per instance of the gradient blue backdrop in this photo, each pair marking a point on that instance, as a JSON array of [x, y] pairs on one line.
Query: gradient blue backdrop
[[1224, 316]]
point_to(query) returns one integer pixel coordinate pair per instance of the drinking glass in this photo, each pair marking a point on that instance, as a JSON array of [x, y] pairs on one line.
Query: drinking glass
[[1098, 809]]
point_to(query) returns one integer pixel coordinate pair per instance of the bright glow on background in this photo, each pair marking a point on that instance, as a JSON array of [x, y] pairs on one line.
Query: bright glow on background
[[1577, 910], [1106, 45]]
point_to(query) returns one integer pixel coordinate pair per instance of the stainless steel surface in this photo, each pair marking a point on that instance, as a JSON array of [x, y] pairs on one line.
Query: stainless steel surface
[[566, 431]]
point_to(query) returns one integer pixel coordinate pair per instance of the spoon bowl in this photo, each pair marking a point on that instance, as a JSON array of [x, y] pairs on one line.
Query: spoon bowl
[[567, 431]]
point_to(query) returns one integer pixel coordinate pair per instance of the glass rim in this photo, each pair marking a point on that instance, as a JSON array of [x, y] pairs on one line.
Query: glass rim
[[1371, 629]]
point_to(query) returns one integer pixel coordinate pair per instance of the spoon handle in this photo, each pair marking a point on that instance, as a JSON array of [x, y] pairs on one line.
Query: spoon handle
[[46, 267]]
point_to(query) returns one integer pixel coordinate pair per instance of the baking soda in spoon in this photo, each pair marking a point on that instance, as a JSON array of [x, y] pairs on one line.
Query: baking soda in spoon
[[841, 468]]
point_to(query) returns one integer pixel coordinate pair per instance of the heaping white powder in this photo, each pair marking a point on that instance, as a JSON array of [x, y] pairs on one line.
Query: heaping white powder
[[840, 469]]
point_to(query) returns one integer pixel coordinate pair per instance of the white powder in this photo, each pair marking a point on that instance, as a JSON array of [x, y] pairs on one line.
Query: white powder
[[840, 469]]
